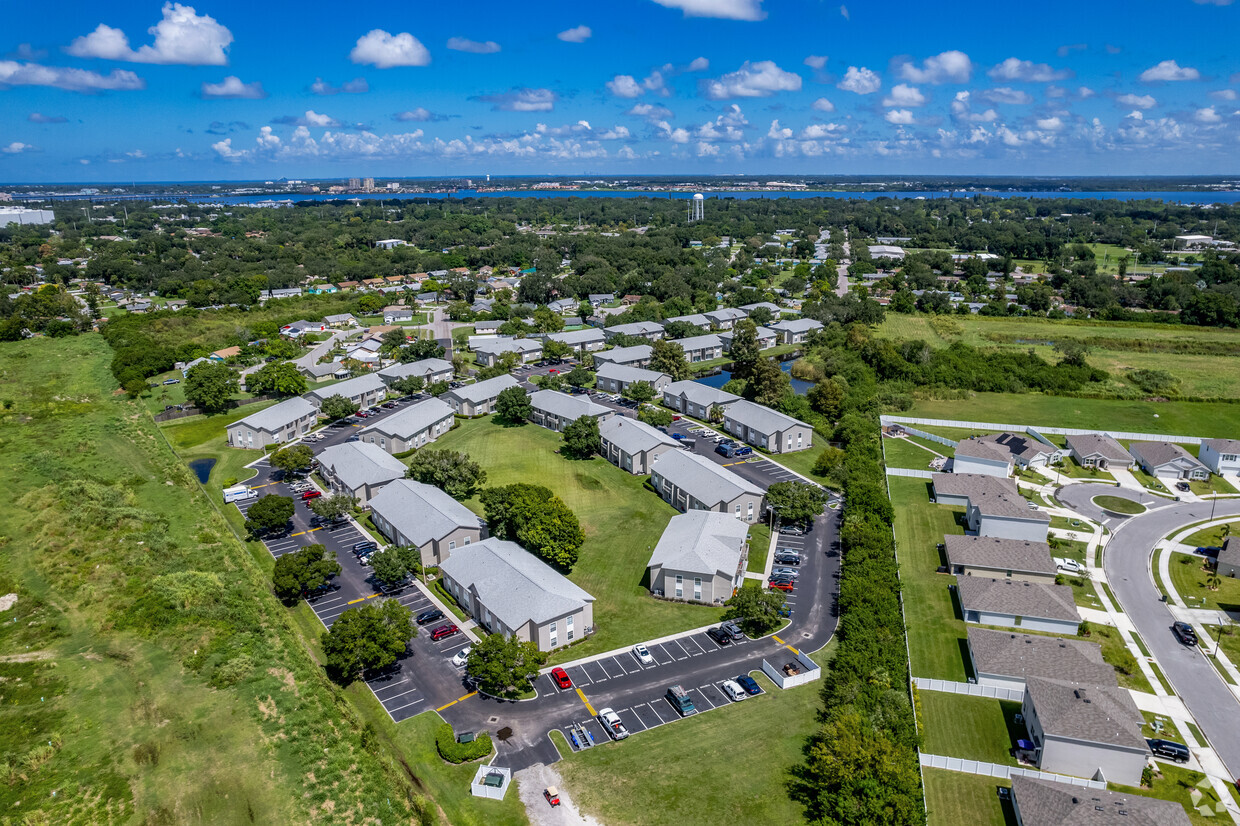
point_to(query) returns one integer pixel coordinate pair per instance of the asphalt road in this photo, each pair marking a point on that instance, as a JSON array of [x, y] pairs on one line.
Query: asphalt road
[[1127, 563]]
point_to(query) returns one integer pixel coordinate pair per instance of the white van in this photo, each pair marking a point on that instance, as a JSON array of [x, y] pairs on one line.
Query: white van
[[239, 493]]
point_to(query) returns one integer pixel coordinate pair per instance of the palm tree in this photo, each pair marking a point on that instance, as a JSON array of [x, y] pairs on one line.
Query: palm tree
[[1213, 581]]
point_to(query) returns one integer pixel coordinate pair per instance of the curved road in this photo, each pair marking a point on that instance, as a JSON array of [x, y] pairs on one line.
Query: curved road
[[1127, 560]]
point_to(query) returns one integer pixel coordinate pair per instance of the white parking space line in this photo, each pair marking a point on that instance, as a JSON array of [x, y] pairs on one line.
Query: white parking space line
[[664, 651], [683, 649], [615, 662], [705, 698], [694, 640], [662, 702], [582, 677], [406, 705], [601, 679], [391, 698]]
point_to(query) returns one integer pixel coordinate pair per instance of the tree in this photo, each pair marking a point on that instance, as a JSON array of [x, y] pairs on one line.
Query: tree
[[409, 385], [270, 513], [556, 351], [457, 474], [829, 460], [337, 407], [655, 416], [513, 404], [535, 517], [292, 459], [762, 315], [903, 302], [796, 501], [757, 611], [389, 566], [504, 666], [333, 507], [279, 378], [639, 391], [1072, 352], [438, 388], [745, 352], [210, 386], [669, 357], [768, 384], [581, 438], [715, 414], [423, 348], [393, 340], [826, 397], [579, 376], [368, 636], [301, 571]]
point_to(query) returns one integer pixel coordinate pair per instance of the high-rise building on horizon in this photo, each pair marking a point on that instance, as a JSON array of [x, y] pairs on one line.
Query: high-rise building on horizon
[[368, 184], [355, 183]]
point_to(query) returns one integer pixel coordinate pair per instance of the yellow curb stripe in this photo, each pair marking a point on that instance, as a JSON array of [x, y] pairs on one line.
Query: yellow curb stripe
[[457, 700], [589, 707], [303, 533]]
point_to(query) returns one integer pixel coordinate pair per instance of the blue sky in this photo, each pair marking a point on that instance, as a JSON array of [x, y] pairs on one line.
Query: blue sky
[[140, 91]]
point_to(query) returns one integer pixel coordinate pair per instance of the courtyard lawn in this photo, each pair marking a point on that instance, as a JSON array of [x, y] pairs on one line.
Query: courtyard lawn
[[759, 544], [973, 728], [1148, 481], [955, 799], [1073, 469], [621, 518], [906, 453], [1189, 578], [1216, 484], [1176, 784], [1212, 537], [1117, 504]]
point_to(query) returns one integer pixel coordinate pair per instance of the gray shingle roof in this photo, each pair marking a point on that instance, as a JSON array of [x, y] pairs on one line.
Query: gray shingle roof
[[1230, 554], [348, 388], [1011, 654], [576, 338], [701, 478], [1047, 803], [1161, 453], [1223, 445], [278, 416], [412, 420], [1097, 713], [698, 393], [991, 495], [696, 319], [423, 368], [1018, 555], [483, 390], [1004, 446], [1087, 444], [633, 436], [499, 346], [361, 463], [625, 355], [701, 542], [761, 418], [1021, 599], [775, 308], [421, 512], [704, 342], [797, 325], [566, 406], [726, 314], [636, 328], [627, 373], [513, 584]]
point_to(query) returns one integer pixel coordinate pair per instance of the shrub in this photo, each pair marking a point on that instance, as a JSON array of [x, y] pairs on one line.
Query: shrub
[[454, 752]]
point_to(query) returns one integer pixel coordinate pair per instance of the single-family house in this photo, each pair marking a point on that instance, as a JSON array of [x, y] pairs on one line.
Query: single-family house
[[702, 348], [341, 320], [1220, 455], [696, 319], [487, 328], [700, 557], [993, 506], [1168, 461], [1098, 450], [364, 391], [555, 410], [1038, 802], [479, 398], [587, 340], [423, 516], [1005, 659], [290, 419], [636, 356], [1011, 604], [285, 292], [599, 299], [725, 318], [1085, 730], [358, 469], [411, 428], [349, 285], [768, 429], [991, 556], [395, 314], [796, 330], [633, 445], [996, 454], [563, 306], [649, 330], [688, 482], [766, 337], [430, 370], [326, 370], [482, 305], [488, 352], [695, 399], [225, 353], [322, 289], [508, 590], [191, 365], [1228, 563], [616, 378], [299, 328]]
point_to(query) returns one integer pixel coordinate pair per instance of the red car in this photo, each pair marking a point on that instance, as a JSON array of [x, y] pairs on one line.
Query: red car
[[780, 584], [553, 372], [561, 677], [311, 494], [444, 631]]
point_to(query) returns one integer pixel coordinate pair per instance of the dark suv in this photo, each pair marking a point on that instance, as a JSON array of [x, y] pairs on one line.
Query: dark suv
[[1185, 633], [719, 636], [1169, 749]]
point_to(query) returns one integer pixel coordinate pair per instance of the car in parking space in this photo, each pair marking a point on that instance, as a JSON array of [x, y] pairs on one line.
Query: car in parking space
[[785, 573], [444, 631], [720, 636], [1182, 486], [428, 616], [787, 557], [311, 494], [461, 657], [1185, 633], [733, 690], [321, 591], [611, 723], [354, 439], [780, 584], [363, 547], [643, 655], [172, 381], [733, 630], [560, 676], [749, 684]]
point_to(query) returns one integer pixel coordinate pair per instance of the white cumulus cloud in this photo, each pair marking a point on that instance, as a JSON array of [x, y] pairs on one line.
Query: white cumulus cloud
[[16, 148], [698, 64], [1207, 115], [726, 9], [948, 67], [900, 117], [1026, 71], [904, 95], [778, 132], [1169, 70], [232, 87], [625, 86], [384, 50], [181, 37], [761, 79], [13, 73], [652, 112], [464, 44], [356, 86], [577, 34], [522, 100], [1051, 124], [1224, 94], [1139, 101], [1006, 94], [816, 61], [860, 80], [823, 105]]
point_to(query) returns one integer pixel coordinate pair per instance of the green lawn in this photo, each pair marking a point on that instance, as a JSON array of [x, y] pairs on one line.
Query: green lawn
[[1188, 577], [802, 461], [1176, 784], [1074, 470], [907, 454], [1215, 484], [955, 799], [1148, 481], [726, 766], [974, 728], [1117, 504], [1063, 523], [1212, 537], [759, 544], [622, 520]]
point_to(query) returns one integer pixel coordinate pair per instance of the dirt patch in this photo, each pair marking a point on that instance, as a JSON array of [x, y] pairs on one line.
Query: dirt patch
[[285, 677], [268, 708], [26, 657], [531, 782], [7, 601]]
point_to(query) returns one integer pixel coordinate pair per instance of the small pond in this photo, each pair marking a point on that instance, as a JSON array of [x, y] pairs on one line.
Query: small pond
[[202, 469], [724, 376]]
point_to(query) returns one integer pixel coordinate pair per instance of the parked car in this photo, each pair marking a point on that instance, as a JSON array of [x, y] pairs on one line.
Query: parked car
[[720, 636], [749, 684], [1182, 486], [780, 584], [444, 631], [643, 655], [560, 676], [311, 494], [462, 656], [429, 616], [1070, 566], [792, 530], [785, 573], [611, 723], [172, 381], [678, 436], [733, 690], [1185, 633], [732, 630], [680, 700], [1169, 749], [321, 591], [363, 547], [787, 558]]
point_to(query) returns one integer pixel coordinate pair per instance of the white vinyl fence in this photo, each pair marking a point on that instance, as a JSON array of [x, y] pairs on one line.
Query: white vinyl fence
[[809, 671], [910, 472], [957, 764], [969, 689], [1060, 431]]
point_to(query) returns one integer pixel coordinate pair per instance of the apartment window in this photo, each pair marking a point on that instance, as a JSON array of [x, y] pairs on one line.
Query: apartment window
[[555, 636], [697, 588], [466, 542], [751, 511], [452, 545], [382, 442], [568, 628], [738, 511], [680, 586]]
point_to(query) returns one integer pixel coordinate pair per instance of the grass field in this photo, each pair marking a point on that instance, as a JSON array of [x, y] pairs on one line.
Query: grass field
[[622, 520], [1176, 784], [726, 766], [974, 728], [1188, 577], [1117, 504], [906, 453], [955, 799], [146, 634], [759, 544], [1212, 537]]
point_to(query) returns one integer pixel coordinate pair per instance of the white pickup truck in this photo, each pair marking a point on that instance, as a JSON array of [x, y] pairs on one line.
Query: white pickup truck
[[610, 721]]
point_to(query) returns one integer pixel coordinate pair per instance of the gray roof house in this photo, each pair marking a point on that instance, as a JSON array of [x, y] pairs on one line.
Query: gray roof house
[[411, 428], [411, 513], [724, 318], [615, 378], [1168, 461], [1033, 605], [774, 308], [696, 319], [479, 398], [767, 338], [1098, 450], [599, 299], [364, 391], [796, 330], [1038, 802], [633, 445], [1228, 563], [563, 305], [489, 351], [1220, 455], [1085, 730], [283, 422], [341, 320], [702, 348], [432, 370], [637, 356], [649, 330], [555, 410], [484, 328], [696, 399], [688, 482], [393, 314], [996, 454], [700, 557], [587, 340], [991, 556], [768, 429], [1004, 659], [330, 369], [993, 506], [358, 469], [508, 590]]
